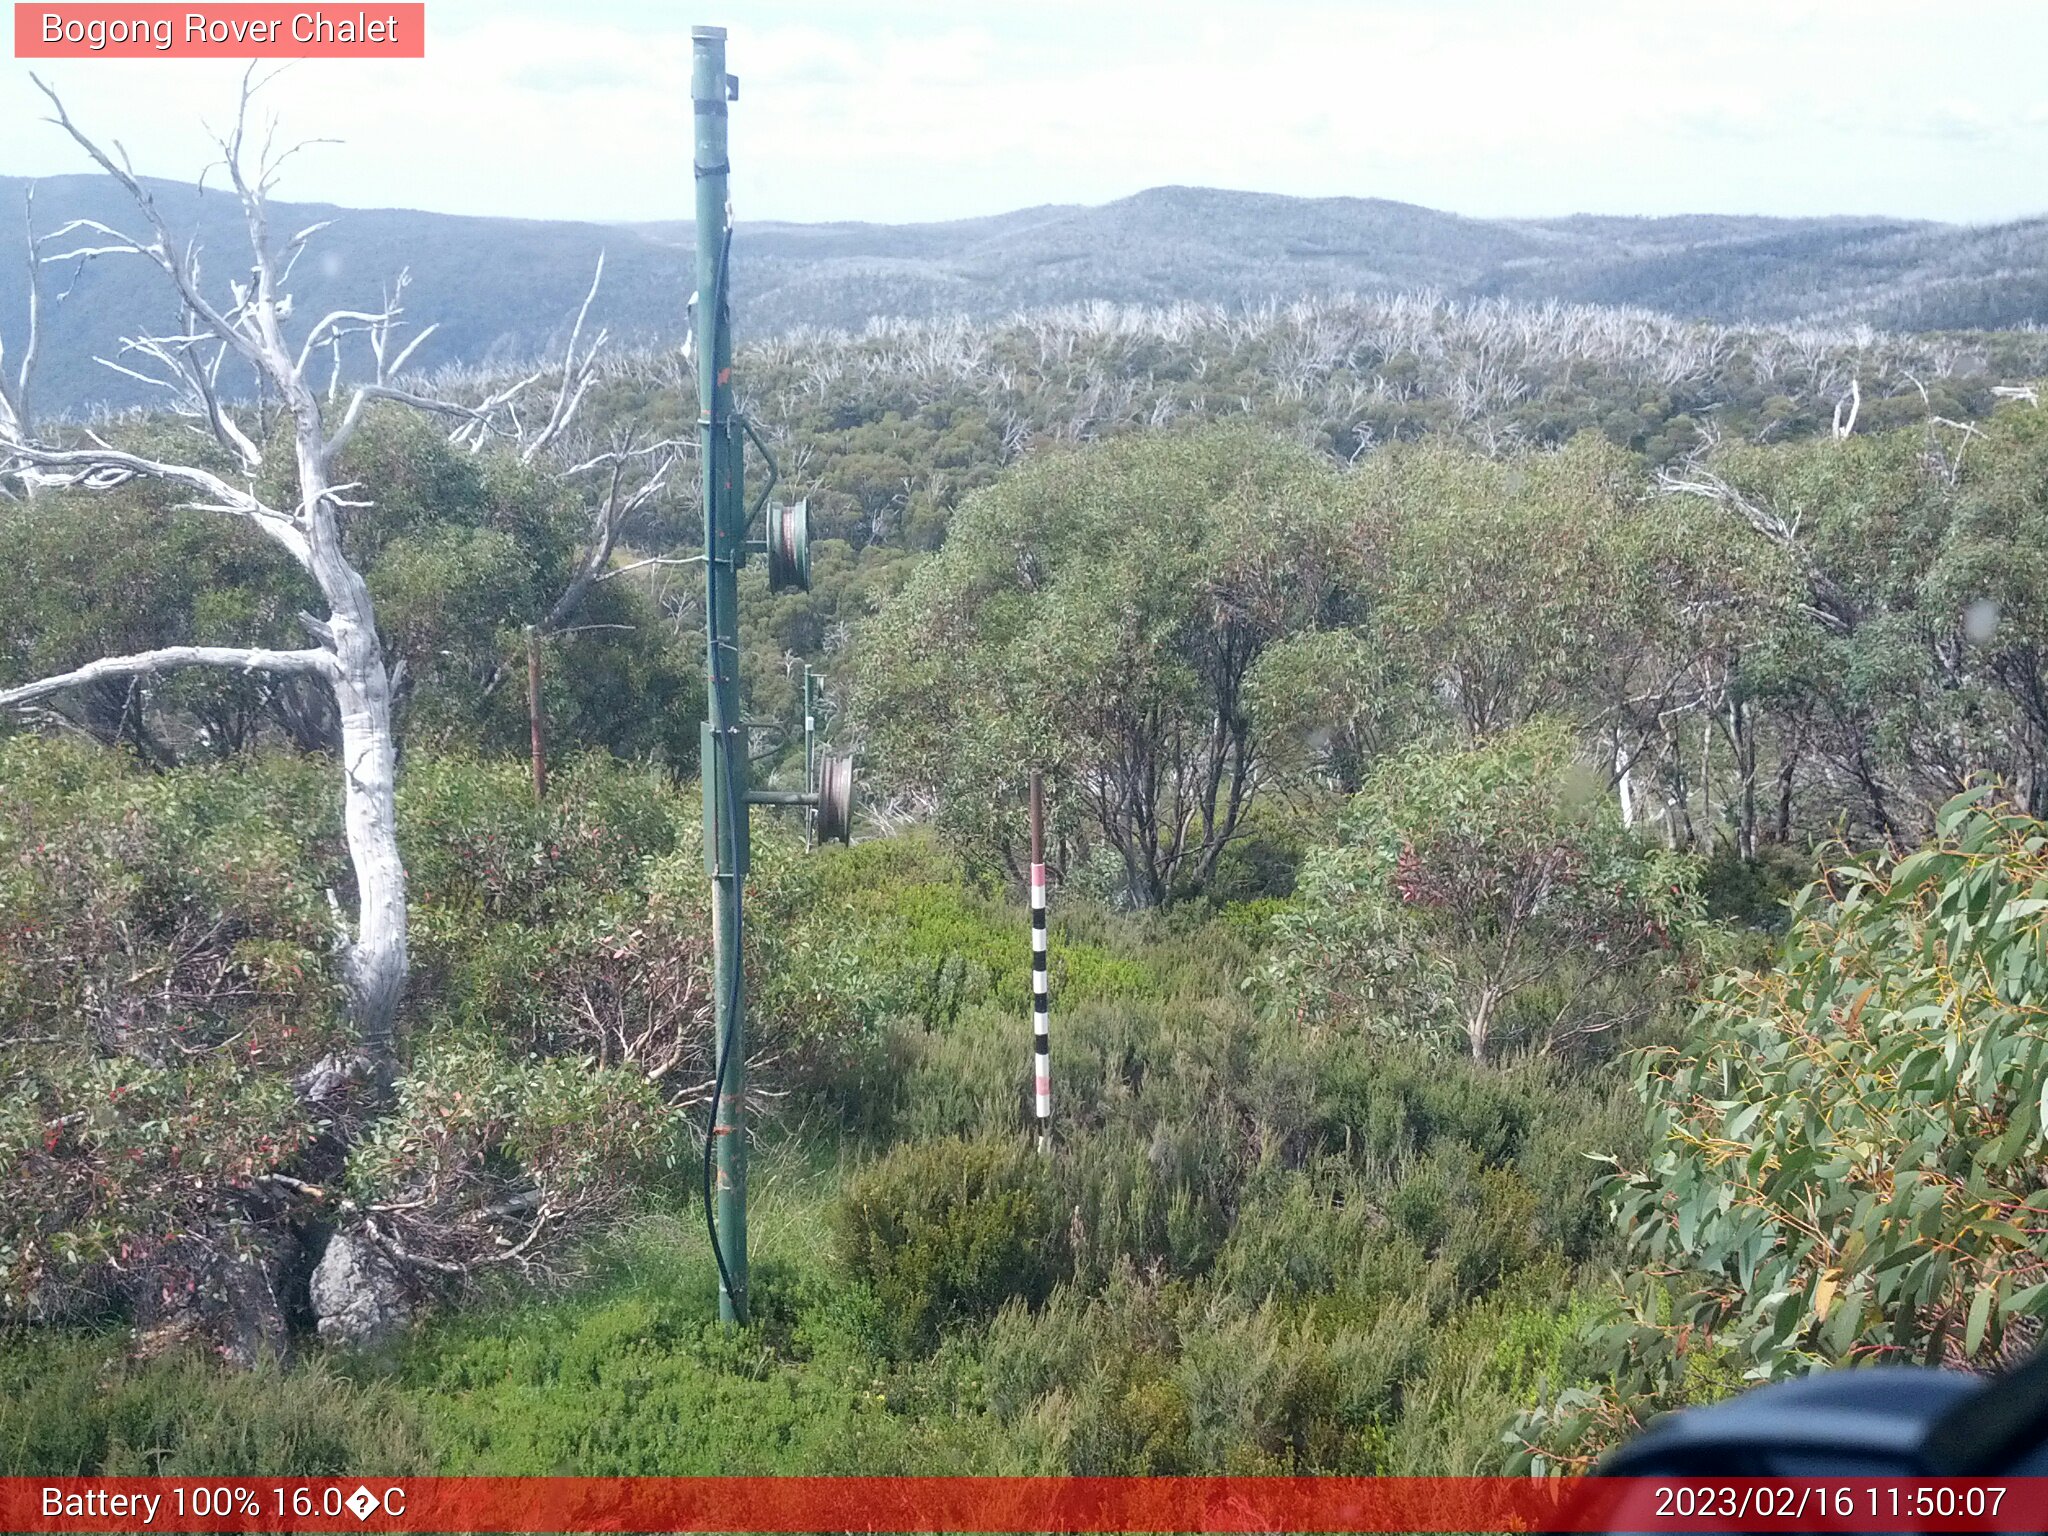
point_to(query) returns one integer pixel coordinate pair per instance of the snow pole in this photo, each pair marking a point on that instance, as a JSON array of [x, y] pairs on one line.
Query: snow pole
[[1041, 995]]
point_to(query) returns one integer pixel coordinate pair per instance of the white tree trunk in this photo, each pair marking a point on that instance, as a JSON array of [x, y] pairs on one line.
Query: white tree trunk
[[376, 960], [1624, 783], [1479, 1022]]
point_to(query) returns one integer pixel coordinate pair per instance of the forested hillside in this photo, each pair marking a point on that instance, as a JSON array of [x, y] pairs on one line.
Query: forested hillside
[[1545, 824], [501, 288]]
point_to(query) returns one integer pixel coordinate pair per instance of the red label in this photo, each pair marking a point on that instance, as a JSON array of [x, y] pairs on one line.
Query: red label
[[1022, 1504], [240, 31]]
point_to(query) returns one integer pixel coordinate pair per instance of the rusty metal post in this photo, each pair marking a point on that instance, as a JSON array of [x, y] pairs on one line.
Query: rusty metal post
[[536, 716]]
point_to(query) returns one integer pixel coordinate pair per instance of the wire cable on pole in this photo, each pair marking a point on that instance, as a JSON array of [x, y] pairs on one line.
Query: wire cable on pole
[[729, 811]]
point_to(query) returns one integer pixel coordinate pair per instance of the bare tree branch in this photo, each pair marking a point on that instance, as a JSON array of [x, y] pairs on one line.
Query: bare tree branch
[[1832, 605], [183, 277], [14, 397], [250, 326], [350, 659], [172, 659], [103, 469], [614, 511], [577, 374]]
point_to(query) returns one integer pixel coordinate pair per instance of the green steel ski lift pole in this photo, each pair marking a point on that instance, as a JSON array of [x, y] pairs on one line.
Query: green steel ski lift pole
[[723, 434], [723, 742]]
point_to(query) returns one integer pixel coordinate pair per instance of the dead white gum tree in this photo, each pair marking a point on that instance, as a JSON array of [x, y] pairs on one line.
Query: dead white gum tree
[[17, 374], [246, 326]]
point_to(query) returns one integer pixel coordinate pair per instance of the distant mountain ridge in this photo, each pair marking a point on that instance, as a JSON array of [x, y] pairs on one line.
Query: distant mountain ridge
[[501, 289]]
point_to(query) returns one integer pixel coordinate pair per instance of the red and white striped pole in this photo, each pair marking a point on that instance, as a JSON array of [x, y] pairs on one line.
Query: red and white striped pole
[[1041, 997]]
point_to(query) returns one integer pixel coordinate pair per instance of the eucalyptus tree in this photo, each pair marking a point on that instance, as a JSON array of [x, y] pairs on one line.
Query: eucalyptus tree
[[1549, 585], [271, 464], [1845, 1143], [1908, 660], [1099, 613], [1992, 578], [1488, 895], [1896, 1029], [1336, 701], [1518, 587]]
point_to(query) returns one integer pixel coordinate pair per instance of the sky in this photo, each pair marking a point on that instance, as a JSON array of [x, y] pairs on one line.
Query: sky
[[894, 112]]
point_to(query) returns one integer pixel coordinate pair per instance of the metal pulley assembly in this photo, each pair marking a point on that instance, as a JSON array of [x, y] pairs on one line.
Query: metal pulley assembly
[[834, 813], [789, 547], [828, 779]]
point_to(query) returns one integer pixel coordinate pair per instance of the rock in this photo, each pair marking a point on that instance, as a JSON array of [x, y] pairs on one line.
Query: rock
[[220, 1294], [357, 1296], [251, 1323], [327, 1079]]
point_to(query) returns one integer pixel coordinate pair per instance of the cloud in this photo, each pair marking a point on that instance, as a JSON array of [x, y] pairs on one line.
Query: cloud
[[558, 79], [895, 111], [1961, 121]]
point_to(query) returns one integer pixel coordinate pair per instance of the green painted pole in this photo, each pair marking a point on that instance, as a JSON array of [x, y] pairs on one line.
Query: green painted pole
[[724, 741], [810, 753]]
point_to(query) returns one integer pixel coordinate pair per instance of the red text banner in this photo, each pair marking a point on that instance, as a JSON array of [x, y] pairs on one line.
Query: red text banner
[[1019, 1504], [231, 31]]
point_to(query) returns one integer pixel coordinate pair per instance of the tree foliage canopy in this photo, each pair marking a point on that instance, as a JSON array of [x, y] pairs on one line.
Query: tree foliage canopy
[[1099, 614], [1849, 1146], [1490, 894], [460, 553]]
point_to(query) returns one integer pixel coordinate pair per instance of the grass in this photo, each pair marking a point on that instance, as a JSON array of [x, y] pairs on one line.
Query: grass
[[1273, 1251], [633, 1377]]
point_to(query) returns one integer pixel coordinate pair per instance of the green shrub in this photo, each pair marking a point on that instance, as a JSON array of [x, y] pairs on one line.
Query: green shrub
[[1255, 1249], [472, 1133], [1845, 1151], [1303, 1235], [1251, 922], [1755, 892], [1089, 1381], [972, 1080], [476, 844], [1488, 896], [640, 1383], [1860, 1128], [73, 1405], [901, 916], [1154, 1377], [1261, 866], [1160, 1199], [947, 1231], [165, 970]]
